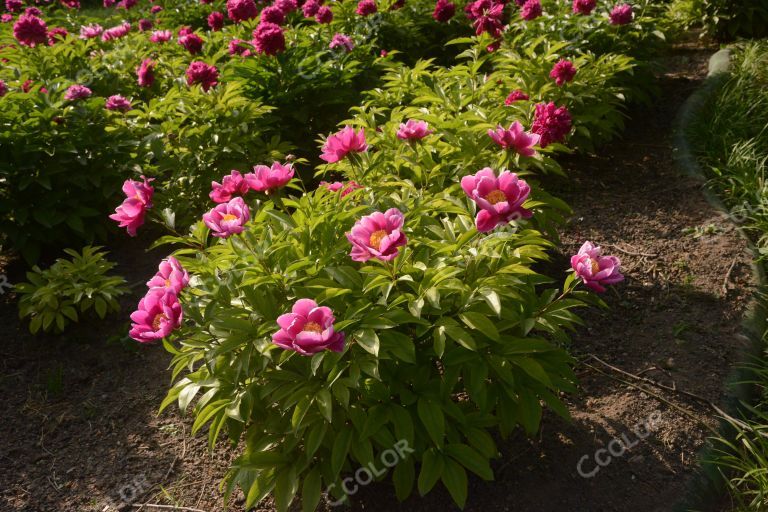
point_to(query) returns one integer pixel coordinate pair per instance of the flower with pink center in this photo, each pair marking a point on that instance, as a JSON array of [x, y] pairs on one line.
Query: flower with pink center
[[310, 7], [531, 10], [239, 47], [515, 138], [553, 123], [500, 199], [71, 4], [116, 32], [231, 185], [324, 15], [146, 73], [413, 130], [308, 329], [346, 141], [117, 102], [444, 11], [161, 36], [621, 14], [170, 276], [594, 269], [29, 30], [378, 236], [138, 199], [77, 92], [342, 41], [584, 7], [6, 18], [90, 31], [268, 179], [56, 35], [563, 71], [158, 315], [287, 5], [201, 73], [366, 7], [339, 186], [268, 39], [14, 5], [241, 10], [145, 25], [272, 14], [156, 9], [193, 43], [228, 218], [516, 95]]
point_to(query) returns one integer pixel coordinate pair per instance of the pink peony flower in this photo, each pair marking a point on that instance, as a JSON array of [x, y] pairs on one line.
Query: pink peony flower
[[239, 47], [228, 219], [231, 185], [201, 73], [77, 92], [108, 3], [594, 269], [267, 179], [310, 7], [272, 14], [342, 41], [398, 4], [29, 30], [563, 71], [268, 39], [145, 25], [185, 31], [308, 329], [324, 15], [378, 236], [117, 102], [14, 5], [34, 11], [345, 188], [621, 14], [584, 7], [241, 10], [515, 138], [338, 145], [531, 10], [287, 5], [90, 31], [170, 276], [553, 123], [6, 18], [3, 89], [146, 73], [126, 4], [71, 4], [413, 130], [156, 9], [444, 11], [500, 199], [158, 315], [56, 35], [193, 43], [116, 32], [138, 200], [366, 7], [161, 36], [516, 95]]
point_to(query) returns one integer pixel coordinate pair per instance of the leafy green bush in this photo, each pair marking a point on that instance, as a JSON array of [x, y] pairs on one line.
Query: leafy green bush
[[723, 19], [66, 290]]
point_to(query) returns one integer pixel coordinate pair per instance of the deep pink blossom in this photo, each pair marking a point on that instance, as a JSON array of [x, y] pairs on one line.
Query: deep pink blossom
[[156, 9], [170, 276], [287, 6], [234, 184], [71, 4], [310, 7], [553, 123], [116, 32], [366, 7], [239, 47], [241, 10], [3, 89], [272, 14], [516, 95], [584, 7], [338, 145], [515, 138], [379, 236], [324, 14], [14, 5], [563, 71], [444, 11], [138, 200], [56, 35], [126, 4], [77, 92], [34, 11], [108, 3], [500, 200], [531, 10], [161, 36], [228, 219], [308, 329], [146, 73], [216, 21], [413, 130], [145, 25], [342, 41], [268, 179], [90, 31], [117, 102], [621, 14], [339, 186], [204, 74], [6, 18], [185, 31], [29, 30], [157, 316], [594, 269], [193, 43], [268, 39]]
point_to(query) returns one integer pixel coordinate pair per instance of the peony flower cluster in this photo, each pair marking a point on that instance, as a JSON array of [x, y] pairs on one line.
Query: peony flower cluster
[[340, 144], [57, 34], [117, 102], [272, 14], [551, 122], [90, 31], [145, 25], [146, 73], [230, 186], [138, 199], [342, 41], [621, 14], [308, 329], [201, 73], [29, 30], [366, 7], [584, 7], [116, 32], [563, 71], [515, 138], [77, 92], [444, 11], [192, 42], [531, 10], [310, 8], [516, 95], [228, 219], [344, 188], [241, 10], [239, 47], [413, 130], [268, 39], [594, 269], [159, 313], [500, 199], [379, 236], [324, 15], [161, 36], [268, 179]]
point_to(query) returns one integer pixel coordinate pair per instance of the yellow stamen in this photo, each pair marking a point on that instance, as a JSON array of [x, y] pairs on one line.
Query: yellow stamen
[[495, 196], [595, 266], [376, 238], [156, 321], [313, 327], [228, 216]]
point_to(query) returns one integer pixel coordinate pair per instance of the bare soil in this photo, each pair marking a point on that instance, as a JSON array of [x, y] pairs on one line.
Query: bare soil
[[80, 429]]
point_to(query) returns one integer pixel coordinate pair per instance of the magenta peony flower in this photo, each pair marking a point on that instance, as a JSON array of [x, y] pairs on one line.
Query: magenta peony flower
[[34, 11], [338, 145], [193, 43], [156, 9], [185, 31], [116, 32], [324, 15], [29, 30], [138, 200], [228, 219], [231, 185], [584, 6], [14, 5], [488, 17], [145, 25], [500, 199], [310, 7], [531, 10], [170, 276], [158, 315], [342, 41], [201, 73], [516, 95], [216, 21], [287, 5], [308, 329], [366, 7], [239, 47], [126, 4], [6, 18], [594, 269], [563, 71], [515, 138], [117, 102], [272, 14], [161, 36], [444, 11], [345, 188], [3, 89], [56, 35], [241, 10], [71, 4], [90, 31], [268, 39], [108, 3], [398, 4], [621, 14], [413, 130], [553, 123], [267, 179], [377, 236], [146, 73], [77, 92]]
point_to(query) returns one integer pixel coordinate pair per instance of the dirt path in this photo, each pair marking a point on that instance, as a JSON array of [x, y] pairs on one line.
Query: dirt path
[[79, 417]]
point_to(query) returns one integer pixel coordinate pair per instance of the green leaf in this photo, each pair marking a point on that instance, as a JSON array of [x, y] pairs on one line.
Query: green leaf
[[286, 486], [470, 459], [432, 465], [481, 323], [310, 491], [431, 415], [403, 477], [368, 339], [325, 404], [455, 480], [340, 450]]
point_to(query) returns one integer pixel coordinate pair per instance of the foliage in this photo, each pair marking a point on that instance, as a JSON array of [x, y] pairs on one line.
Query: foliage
[[723, 19]]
